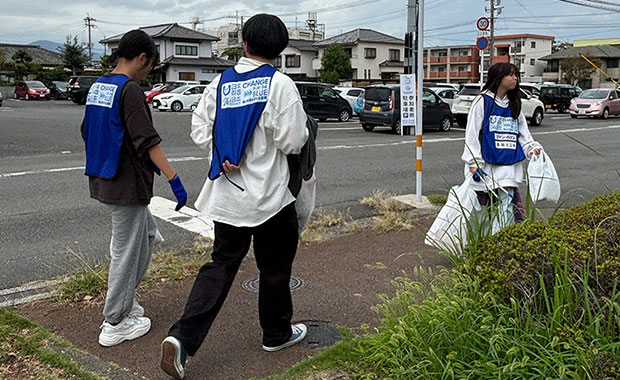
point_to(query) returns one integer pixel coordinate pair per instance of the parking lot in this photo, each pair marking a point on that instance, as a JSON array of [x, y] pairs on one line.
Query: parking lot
[[49, 224]]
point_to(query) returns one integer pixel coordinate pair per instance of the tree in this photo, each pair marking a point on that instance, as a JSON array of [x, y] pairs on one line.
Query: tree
[[233, 53], [560, 45], [335, 63], [21, 64], [73, 54], [57, 73], [577, 69]]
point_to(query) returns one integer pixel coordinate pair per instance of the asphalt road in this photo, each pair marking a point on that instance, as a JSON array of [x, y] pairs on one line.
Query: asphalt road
[[49, 225]]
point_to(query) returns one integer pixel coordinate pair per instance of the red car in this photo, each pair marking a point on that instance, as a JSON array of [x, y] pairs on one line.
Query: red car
[[32, 90], [167, 88]]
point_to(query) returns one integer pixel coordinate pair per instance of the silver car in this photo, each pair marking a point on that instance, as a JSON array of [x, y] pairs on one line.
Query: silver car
[[446, 94]]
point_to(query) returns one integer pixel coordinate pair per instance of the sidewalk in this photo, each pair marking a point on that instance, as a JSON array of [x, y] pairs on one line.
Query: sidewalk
[[343, 275]]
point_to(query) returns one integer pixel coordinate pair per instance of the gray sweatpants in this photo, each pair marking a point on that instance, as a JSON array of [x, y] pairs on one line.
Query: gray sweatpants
[[133, 234]]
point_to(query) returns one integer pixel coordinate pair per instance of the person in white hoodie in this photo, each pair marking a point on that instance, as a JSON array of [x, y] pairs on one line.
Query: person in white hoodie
[[497, 141], [248, 120]]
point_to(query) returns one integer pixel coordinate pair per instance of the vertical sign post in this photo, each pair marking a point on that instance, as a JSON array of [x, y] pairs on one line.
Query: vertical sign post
[[482, 42], [407, 101]]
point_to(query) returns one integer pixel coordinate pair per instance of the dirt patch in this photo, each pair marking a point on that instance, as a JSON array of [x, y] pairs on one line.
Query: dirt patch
[[344, 276]]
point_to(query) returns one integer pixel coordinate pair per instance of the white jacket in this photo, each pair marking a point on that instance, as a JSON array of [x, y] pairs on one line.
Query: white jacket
[[500, 175], [263, 171]]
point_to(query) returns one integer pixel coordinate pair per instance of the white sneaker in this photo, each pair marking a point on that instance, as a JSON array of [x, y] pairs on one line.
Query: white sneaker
[[299, 332], [129, 328], [136, 309]]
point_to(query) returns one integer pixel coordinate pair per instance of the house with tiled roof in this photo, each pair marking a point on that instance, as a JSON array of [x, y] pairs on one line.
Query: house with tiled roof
[[296, 60], [43, 57], [374, 55], [608, 55], [184, 53]]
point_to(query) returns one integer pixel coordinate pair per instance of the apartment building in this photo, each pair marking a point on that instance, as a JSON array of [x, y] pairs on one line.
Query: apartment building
[[452, 64], [524, 51]]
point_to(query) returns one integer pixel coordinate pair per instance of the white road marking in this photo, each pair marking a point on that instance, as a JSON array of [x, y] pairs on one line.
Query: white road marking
[[187, 218], [339, 129], [332, 147]]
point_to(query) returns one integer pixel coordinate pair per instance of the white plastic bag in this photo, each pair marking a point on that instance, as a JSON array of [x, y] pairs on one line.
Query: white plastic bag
[[449, 230], [306, 200], [543, 181]]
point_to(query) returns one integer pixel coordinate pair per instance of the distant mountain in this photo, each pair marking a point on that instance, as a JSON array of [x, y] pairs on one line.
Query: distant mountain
[[49, 45], [53, 46]]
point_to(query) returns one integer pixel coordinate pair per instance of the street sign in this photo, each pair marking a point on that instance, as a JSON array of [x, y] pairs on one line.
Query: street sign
[[482, 43], [407, 100], [484, 33], [483, 23]]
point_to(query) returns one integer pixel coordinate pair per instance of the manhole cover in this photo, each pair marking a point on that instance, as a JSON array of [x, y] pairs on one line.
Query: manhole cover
[[252, 285], [320, 335]]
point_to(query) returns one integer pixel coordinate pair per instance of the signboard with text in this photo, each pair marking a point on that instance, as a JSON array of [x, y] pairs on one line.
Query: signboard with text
[[407, 99]]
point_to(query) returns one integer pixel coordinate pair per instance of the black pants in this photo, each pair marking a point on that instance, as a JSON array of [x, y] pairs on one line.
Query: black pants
[[275, 245]]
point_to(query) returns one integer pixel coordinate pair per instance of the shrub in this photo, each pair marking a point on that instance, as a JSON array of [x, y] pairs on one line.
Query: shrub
[[510, 262]]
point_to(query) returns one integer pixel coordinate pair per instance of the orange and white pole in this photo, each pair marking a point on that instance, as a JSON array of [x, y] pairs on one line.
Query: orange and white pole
[[419, 109]]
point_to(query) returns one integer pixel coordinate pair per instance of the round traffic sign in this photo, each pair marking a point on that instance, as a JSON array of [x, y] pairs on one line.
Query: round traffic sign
[[482, 43], [483, 23]]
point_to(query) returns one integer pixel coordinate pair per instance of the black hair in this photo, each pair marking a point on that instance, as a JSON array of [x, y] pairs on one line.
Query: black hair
[[266, 35], [497, 72], [134, 43]]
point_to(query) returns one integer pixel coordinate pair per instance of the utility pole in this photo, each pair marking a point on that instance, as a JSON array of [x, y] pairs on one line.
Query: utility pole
[[88, 23], [494, 7]]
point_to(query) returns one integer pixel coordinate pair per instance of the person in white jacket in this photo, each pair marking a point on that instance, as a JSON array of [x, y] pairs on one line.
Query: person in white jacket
[[248, 120], [497, 141]]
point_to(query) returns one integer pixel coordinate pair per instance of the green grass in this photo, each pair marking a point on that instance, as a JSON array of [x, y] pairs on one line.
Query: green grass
[[391, 215], [25, 352], [437, 199]]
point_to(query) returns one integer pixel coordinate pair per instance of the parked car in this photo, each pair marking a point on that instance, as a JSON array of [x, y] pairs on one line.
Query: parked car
[[58, 89], [454, 86], [78, 88], [445, 93], [558, 96], [322, 102], [533, 88], [350, 94], [532, 108], [382, 108], [178, 99], [155, 87], [600, 102], [162, 90], [32, 89]]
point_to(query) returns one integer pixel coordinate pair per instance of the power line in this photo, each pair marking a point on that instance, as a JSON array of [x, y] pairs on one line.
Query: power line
[[584, 3]]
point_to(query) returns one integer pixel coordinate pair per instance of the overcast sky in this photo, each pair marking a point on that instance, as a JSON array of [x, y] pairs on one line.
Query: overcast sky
[[447, 21]]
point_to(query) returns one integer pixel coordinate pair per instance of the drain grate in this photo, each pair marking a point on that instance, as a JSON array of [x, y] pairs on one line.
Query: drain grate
[[320, 335], [252, 285]]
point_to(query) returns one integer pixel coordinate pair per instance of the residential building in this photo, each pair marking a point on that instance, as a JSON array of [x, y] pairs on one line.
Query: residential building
[[374, 55], [43, 57], [608, 55], [452, 64], [296, 60], [230, 36], [184, 54], [523, 50]]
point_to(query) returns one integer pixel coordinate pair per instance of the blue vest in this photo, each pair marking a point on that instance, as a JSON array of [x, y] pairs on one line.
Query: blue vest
[[103, 127], [241, 100], [500, 135]]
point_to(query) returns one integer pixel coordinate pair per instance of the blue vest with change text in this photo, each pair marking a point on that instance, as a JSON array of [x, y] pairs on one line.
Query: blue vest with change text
[[500, 135], [241, 100], [103, 127]]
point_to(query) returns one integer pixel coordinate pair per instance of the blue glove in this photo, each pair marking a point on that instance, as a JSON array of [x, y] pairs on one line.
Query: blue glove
[[179, 192]]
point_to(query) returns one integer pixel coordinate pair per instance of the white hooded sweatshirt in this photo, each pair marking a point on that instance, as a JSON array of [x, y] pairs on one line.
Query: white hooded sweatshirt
[[498, 175]]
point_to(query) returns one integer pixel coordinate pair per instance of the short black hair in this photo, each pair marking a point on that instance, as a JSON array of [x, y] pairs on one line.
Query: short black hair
[[134, 43], [266, 35]]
